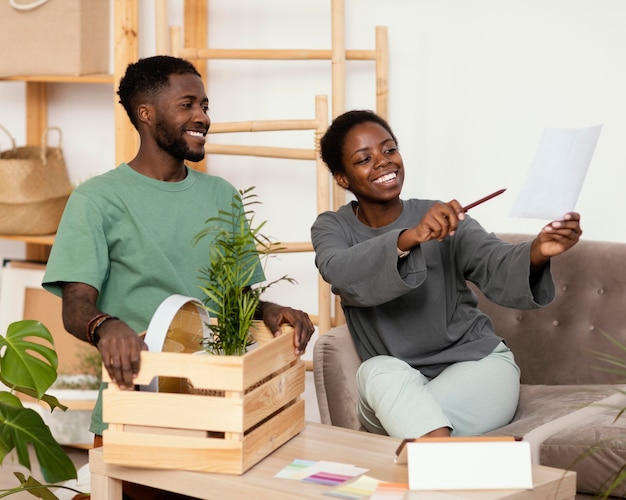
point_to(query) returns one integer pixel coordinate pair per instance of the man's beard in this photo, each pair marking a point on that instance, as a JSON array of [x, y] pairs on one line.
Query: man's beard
[[172, 143]]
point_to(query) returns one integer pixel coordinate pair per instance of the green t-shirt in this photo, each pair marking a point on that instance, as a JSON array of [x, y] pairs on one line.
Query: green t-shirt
[[130, 237]]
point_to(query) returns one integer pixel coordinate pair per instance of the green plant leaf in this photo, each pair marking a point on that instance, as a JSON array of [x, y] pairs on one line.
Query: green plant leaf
[[32, 486], [20, 427], [28, 364], [619, 478], [30, 367], [236, 248], [50, 400], [616, 364]]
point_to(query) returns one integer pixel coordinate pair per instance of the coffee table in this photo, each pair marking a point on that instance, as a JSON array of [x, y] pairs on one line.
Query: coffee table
[[315, 442]]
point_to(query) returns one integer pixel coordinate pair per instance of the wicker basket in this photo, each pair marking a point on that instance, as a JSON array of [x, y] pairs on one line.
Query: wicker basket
[[30, 219], [34, 188]]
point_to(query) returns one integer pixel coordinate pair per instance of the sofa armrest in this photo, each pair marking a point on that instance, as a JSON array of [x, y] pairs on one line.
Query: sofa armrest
[[335, 363]]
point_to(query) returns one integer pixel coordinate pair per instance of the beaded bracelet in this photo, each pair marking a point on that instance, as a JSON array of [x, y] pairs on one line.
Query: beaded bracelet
[[94, 324]]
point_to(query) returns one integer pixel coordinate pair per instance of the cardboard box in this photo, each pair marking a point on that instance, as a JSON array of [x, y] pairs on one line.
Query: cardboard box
[[22, 297], [56, 37]]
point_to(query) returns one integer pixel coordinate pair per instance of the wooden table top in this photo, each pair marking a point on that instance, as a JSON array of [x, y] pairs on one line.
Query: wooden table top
[[315, 442]]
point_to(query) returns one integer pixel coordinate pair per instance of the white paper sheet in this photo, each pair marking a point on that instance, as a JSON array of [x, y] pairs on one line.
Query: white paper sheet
[[557, 173], [469, 465]]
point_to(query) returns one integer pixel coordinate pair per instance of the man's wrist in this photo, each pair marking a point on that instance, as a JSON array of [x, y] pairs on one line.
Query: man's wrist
[[93, 337]]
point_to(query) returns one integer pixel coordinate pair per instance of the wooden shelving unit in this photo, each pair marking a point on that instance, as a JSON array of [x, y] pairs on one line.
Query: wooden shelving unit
[[125, 50], [45, 240]]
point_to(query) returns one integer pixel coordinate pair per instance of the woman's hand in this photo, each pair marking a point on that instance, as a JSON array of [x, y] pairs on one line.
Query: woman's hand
[[554, 239], [440, 221]]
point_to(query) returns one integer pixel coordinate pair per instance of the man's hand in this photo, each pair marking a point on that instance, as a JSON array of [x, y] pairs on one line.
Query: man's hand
[[274, 315], [554, 239], [120, 348], [119, 345]]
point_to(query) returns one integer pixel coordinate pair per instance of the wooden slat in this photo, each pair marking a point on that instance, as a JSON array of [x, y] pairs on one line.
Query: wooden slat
[[47, 239], [262, 126], [272, 54], [126, 50], [161, 27], [273, 395], [36, 111], [273, 434], [260, 151], [36, 123], [382, 72], [294, 247], [92, 78], [152, 409], [196, 17], [338, 57], [218, 372]]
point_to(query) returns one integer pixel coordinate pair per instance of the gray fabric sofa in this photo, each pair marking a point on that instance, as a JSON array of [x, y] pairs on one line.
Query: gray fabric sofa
[[569, 403]]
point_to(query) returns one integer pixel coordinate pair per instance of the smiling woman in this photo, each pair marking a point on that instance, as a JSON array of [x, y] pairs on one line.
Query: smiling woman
[[432, 364]]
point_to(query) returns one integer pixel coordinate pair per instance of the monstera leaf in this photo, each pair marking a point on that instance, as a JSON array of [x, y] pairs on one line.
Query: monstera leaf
[[30, 367], [26, 363]]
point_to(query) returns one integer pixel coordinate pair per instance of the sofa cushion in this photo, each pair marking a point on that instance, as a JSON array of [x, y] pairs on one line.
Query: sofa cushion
[[593, 446], [541, 404]]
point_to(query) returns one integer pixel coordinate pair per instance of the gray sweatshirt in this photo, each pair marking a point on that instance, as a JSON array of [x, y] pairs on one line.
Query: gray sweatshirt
[[420, 308]]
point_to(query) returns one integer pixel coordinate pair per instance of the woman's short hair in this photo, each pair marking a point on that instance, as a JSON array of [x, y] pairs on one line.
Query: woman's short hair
[[332, 142]]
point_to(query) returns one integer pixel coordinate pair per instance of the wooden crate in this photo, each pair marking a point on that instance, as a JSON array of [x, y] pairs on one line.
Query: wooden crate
[[259, 409]]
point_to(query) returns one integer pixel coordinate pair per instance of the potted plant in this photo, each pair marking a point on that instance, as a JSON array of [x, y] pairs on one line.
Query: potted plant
[[236, 247], [28, 365], [613, 363], [613, 485]]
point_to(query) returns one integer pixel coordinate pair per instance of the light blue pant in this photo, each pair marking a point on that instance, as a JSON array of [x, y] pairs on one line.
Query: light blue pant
[[470, 397]]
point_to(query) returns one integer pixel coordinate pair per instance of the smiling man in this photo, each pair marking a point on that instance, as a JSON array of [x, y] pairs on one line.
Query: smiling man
[[124, 243]]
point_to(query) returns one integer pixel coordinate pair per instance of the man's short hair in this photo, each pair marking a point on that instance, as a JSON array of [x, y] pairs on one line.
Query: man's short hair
[[146, 78]]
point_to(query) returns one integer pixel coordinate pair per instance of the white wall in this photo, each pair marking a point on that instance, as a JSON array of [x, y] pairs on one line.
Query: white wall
[[472, 86]]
